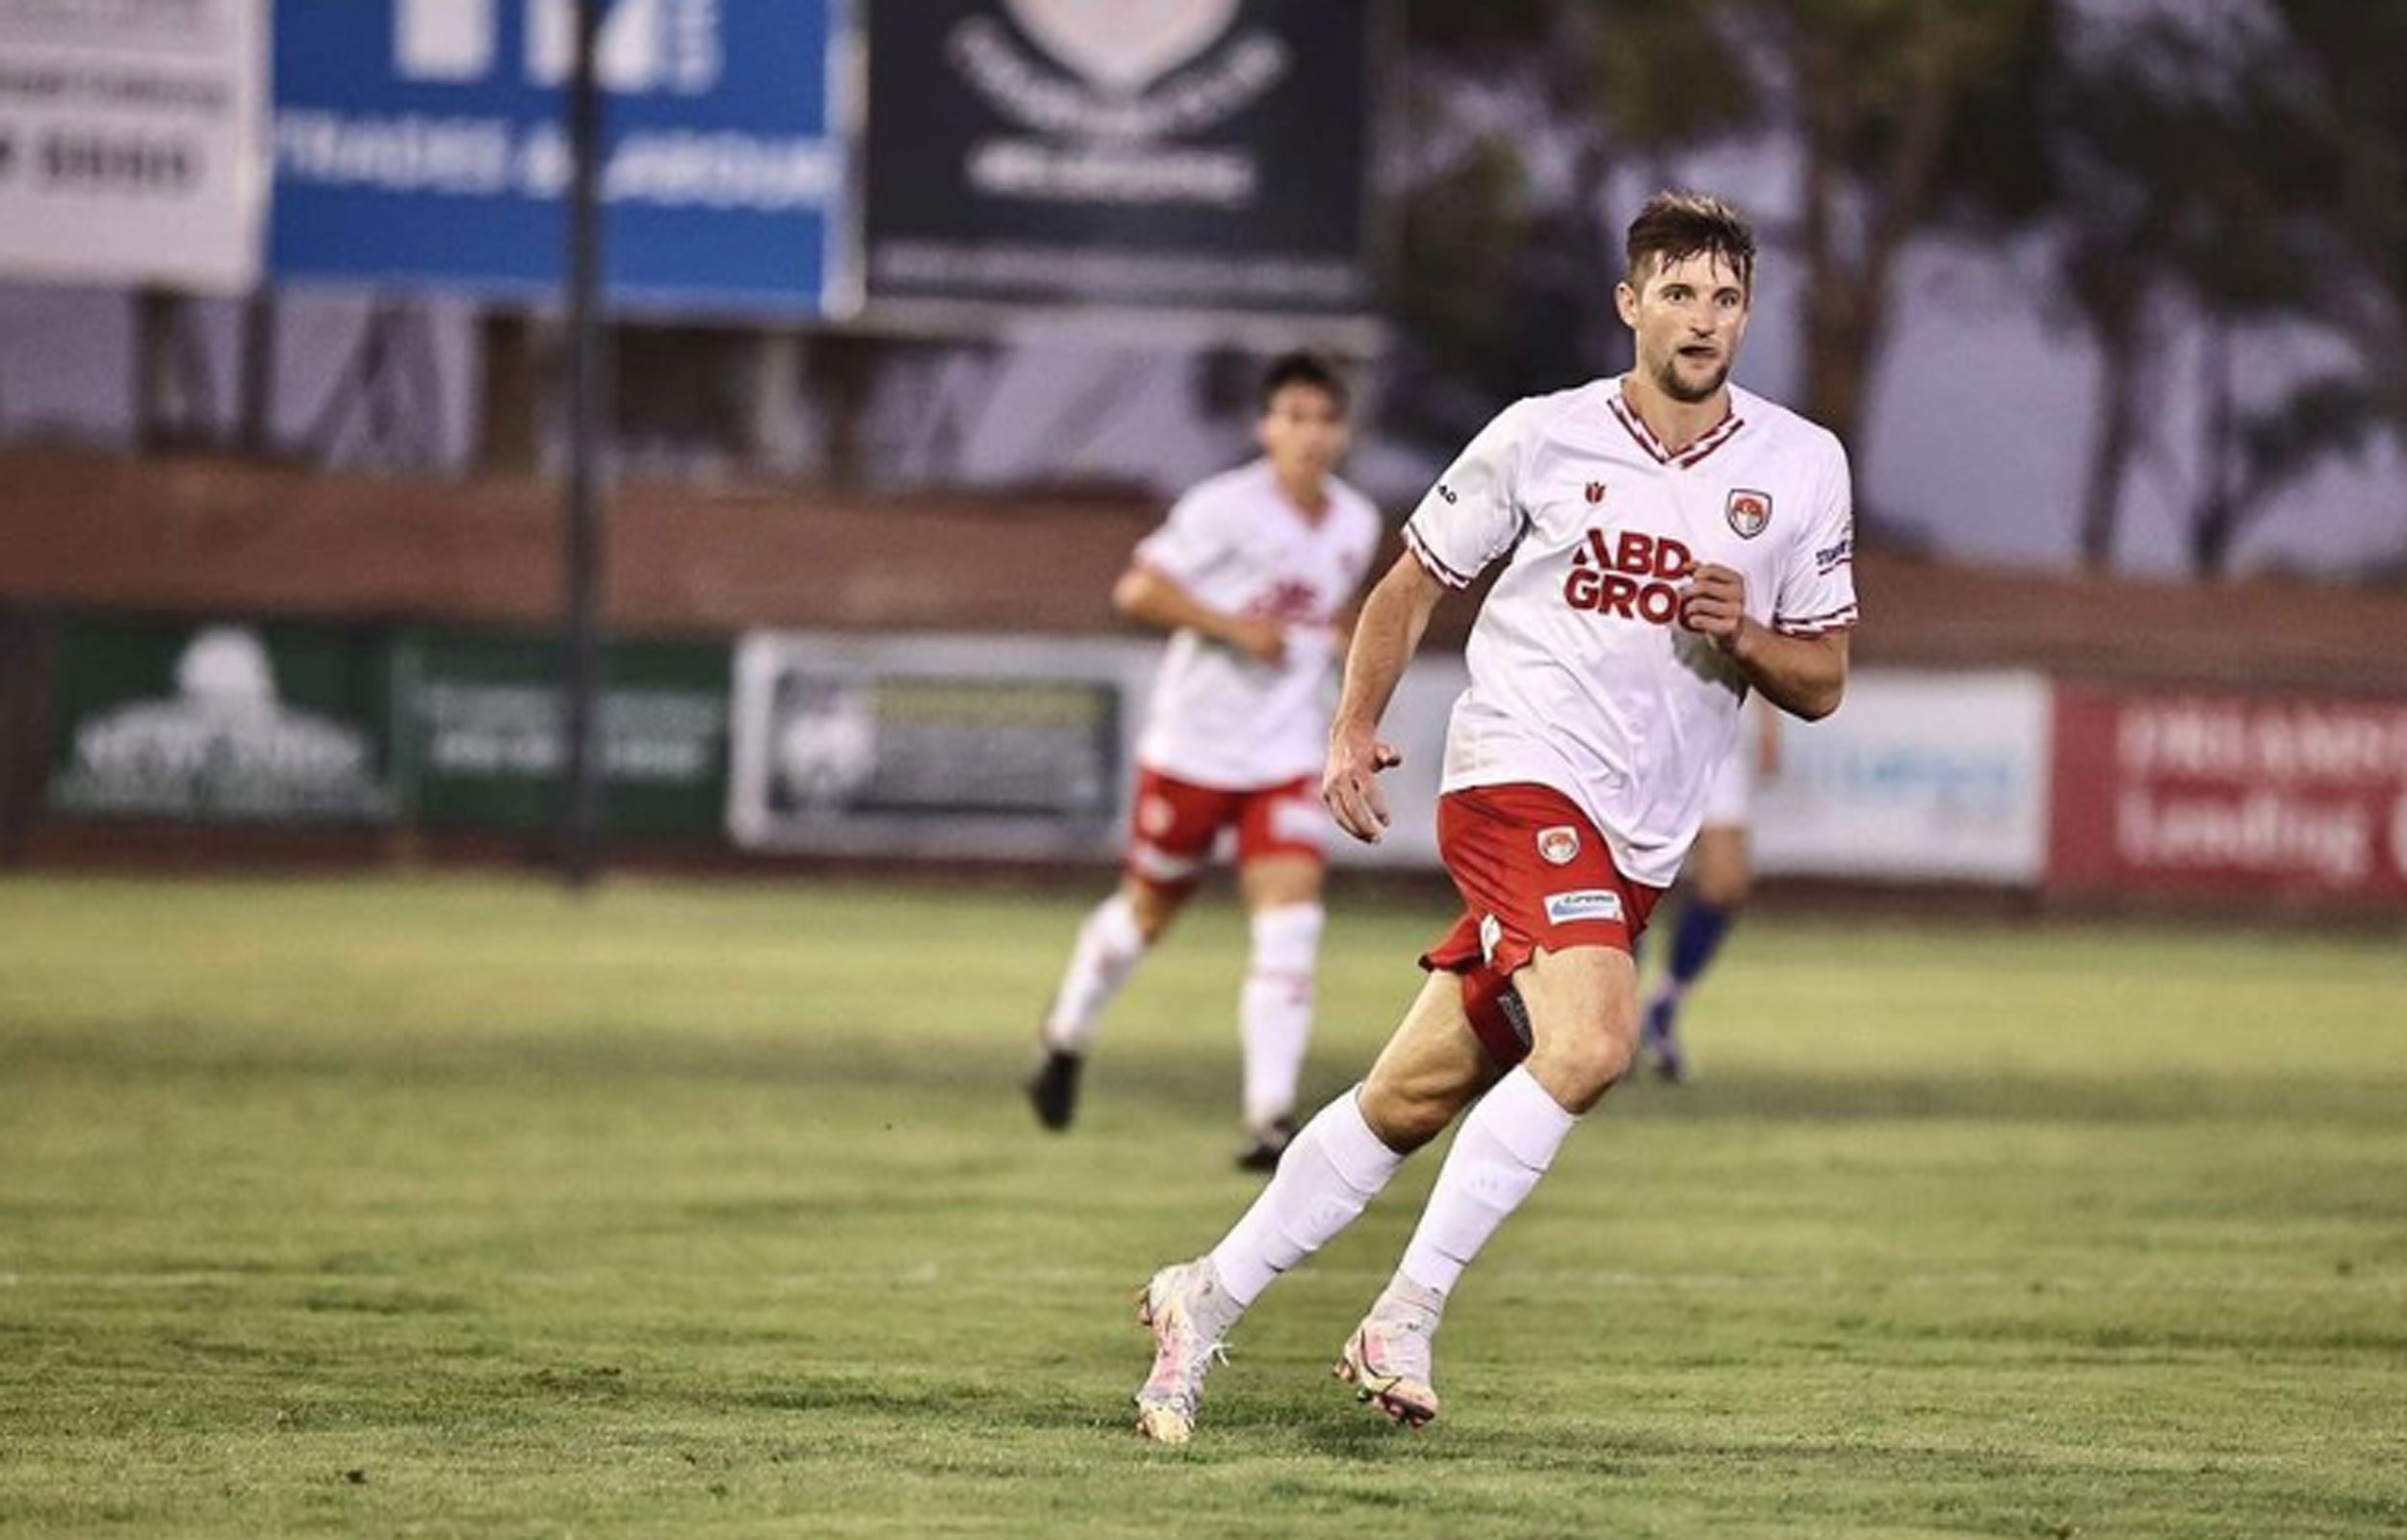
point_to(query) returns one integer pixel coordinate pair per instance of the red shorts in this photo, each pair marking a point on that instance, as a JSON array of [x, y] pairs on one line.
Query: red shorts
[[1532, 872], [1175, 823]]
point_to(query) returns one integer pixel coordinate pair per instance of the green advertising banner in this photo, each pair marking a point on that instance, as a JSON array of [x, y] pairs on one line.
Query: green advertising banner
[[267, 722], [483, 742]]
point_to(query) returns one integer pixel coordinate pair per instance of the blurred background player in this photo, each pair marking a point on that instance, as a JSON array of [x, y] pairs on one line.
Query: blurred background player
[[1719, 879], [1249, 575]]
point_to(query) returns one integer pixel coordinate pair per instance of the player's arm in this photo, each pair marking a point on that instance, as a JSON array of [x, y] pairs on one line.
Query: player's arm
[[1804, 675], [1155, 598], [1385, 636]]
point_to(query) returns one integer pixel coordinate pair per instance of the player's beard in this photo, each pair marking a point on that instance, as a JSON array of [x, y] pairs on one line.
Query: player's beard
[[1667, 380]]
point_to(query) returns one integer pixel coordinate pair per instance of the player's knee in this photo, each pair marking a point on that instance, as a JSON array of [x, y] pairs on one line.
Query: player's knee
[[1581, 1062], [1725, 890], [1404, 1116], [1152, 909]]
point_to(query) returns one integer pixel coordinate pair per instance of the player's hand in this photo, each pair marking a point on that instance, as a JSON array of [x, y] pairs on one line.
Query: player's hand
[[1715, 604], [1259, 637], [1350, 783]]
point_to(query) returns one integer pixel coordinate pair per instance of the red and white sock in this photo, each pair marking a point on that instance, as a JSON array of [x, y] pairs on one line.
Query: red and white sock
[[1109, 949], [1275, 1009]]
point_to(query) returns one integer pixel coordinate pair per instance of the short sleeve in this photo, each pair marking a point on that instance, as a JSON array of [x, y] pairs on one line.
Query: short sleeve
[[1817, 589], [1193, 541], [1472, 516]]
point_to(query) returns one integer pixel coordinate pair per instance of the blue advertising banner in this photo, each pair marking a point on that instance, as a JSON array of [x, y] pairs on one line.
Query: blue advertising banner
[[423, 143]]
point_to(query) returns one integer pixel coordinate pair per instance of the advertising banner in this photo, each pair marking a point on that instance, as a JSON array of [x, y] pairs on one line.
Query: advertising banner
[[483, 740], [281, 723], [932, 746], [2230, 795], [1194, 155], [424, 143], [132, 141], [1917, 777]]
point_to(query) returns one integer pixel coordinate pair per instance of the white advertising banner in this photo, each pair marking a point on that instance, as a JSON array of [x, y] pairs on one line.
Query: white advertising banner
[[938, 747], [1919, 777], [933, 747], [132, 137]]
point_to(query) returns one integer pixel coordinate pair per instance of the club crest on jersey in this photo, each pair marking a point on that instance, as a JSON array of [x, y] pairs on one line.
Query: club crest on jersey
[[1559, 844], [1596, 493], [1749, 512]]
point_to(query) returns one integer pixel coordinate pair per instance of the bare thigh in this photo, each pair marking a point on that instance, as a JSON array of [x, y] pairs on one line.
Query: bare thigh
[[1718, 869], [1274, 882], [1583, 1008], [1431, 1069]]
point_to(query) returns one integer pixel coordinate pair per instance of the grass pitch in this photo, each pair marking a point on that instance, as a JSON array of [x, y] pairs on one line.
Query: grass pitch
[[465, 1208]]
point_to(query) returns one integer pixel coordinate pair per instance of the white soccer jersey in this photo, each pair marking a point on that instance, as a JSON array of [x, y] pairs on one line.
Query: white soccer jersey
[[1582, 678], [1236, 543]]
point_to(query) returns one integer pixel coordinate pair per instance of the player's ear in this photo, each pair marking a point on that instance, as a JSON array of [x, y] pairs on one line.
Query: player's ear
[[1625, 301]]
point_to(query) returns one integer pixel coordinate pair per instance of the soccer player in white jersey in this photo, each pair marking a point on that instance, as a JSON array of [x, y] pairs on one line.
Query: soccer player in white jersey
[[1667, 543], [1719, 878], [1249, 575]]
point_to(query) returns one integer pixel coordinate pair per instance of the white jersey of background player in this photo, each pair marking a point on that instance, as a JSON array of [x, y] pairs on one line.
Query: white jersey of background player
[[1251, 576], [1667, 543]]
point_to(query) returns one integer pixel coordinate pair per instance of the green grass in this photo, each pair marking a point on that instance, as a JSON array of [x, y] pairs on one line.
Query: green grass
[[465, 1208]]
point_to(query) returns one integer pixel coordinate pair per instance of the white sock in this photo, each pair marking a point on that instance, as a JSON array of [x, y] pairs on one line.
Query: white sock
[[1335, 1167], [1502, 1149], [1275, 1009], [1109, 949]]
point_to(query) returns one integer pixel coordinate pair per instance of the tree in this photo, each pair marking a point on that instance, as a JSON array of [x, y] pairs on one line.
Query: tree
[[1878, 91], [1534, 109], [2184, 184]]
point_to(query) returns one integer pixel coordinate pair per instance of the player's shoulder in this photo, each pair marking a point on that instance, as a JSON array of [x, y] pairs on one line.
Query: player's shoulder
[[1237, 485], [1792, 430], [1236, 493], [1352, 505]]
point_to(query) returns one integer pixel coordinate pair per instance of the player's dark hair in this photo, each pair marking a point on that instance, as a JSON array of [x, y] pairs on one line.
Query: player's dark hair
[[1677, 225], [1303, 367]]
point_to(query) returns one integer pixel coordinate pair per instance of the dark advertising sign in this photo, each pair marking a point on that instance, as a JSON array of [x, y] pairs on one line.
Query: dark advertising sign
[[226, 722], [1188, 155], [485, 732], [944, 746]]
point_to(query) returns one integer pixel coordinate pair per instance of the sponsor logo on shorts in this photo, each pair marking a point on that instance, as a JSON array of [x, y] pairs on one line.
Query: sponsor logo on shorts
[[1583, 904], [1490, 933], [1155, 816], [1559, 844]]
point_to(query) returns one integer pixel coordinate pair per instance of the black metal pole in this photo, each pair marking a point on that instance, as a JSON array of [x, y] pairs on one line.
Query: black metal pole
[[587, 398]]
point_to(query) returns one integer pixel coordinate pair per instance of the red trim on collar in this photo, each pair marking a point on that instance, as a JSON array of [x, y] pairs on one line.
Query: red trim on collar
[[1715, 437]]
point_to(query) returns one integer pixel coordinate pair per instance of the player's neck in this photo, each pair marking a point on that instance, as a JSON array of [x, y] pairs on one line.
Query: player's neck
[[1676, 424], [1308, 494]]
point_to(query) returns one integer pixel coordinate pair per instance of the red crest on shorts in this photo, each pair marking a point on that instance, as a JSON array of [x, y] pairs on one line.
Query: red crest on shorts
[[1559, 844], [1595, 492]]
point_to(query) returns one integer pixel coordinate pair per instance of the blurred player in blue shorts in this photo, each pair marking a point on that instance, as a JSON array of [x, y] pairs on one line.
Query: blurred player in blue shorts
[[1719, 880]]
